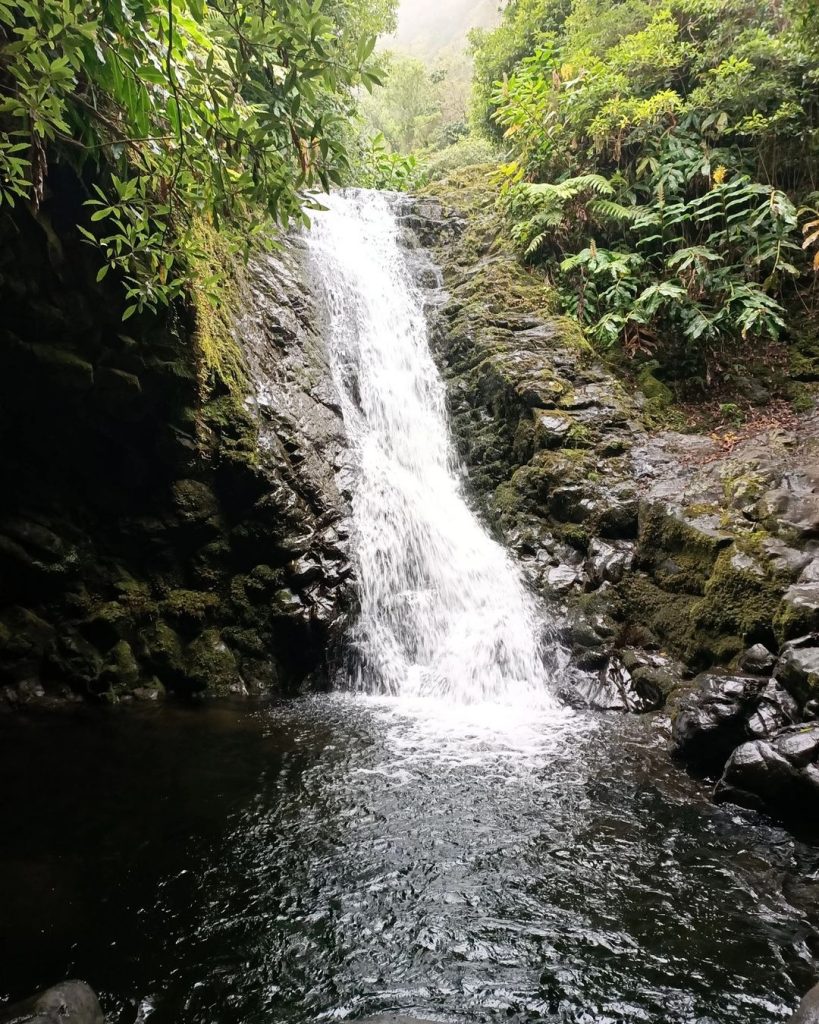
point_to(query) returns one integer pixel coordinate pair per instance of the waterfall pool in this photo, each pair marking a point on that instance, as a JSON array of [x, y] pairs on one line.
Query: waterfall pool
[[338, 856]]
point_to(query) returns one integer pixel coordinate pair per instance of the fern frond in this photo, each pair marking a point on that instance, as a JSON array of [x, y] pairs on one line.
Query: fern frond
[[609, 210]]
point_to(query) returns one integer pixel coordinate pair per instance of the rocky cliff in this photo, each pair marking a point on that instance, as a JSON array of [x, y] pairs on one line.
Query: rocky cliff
[[160, 530]]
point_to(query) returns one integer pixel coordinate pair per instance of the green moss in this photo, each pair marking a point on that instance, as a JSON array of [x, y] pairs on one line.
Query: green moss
[[793, 619], [743, 486], [135, 597], [210, 664], [803, 354], [121, 669], [188, 607], [738, 602], [665, 615], [575, 535], [679, 553], [659, 397], [161, 649]]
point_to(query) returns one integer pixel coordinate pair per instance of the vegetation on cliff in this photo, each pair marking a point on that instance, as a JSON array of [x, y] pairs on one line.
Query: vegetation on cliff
[[662, 167], [657, 164]]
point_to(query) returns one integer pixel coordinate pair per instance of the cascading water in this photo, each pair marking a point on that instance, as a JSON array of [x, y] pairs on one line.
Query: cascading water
[[443, 610]]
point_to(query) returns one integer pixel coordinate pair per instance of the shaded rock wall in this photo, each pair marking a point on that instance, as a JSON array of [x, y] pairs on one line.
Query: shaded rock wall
[[154, 538]]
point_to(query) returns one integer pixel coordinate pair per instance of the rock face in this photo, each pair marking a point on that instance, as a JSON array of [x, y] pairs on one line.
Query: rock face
[[161, 530], [71, 1001], [683, 546]]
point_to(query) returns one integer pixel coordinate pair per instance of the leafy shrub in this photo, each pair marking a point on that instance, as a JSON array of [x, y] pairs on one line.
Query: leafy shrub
[[231, 110], [659, 153], [467, 152]]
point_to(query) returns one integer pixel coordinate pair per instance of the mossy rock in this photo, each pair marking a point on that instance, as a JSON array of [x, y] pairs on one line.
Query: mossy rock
[[680, 552], [107, 622], [659, 398], [160, 647], [666, 616], [188, 608], [803, 355], [195, 503], [121, 670], [798, 612], [210, 664], [136, 597]]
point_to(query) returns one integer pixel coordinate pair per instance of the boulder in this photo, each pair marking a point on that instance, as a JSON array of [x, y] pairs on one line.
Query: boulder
[[725, 711], [614, 688], [70, 1001], [798, 668], [800, 610], [757, 661], [779, 775], [608, 561]]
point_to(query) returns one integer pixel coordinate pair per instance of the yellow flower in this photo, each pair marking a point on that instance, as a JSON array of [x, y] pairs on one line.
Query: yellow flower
[[720, 174]]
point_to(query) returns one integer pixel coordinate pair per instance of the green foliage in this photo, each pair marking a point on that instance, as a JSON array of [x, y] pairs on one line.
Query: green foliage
[[660, 149], [470, 151], [227, 110], [377, 166]]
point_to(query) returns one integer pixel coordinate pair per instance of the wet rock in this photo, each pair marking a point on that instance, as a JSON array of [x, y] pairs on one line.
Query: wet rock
[[608, 561], [652, 670], [614, 688], [808, 1011], [562, 578], [71, 1001], [779, 774], [395, 1018], [810, 573], [757, 661], [795, 503], [800, 609], [798, 668], [551, 429], [784, 558], [725, 711]]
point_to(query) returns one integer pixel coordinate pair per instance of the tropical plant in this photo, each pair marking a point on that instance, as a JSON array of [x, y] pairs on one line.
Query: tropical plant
[[658, 151]]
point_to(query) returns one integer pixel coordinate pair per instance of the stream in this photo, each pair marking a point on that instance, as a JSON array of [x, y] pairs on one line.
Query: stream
[[438, 836]]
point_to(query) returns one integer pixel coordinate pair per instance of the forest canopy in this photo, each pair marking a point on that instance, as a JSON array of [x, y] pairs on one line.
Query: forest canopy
[[661, 165]]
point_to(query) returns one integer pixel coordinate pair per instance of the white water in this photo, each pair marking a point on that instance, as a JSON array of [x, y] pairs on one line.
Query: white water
[[444, 613]]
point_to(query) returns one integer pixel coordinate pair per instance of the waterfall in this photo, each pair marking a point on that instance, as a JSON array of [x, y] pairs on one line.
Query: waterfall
[[443, 611]]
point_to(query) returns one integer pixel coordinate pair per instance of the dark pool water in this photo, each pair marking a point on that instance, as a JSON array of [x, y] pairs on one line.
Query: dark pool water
[[334, 857]]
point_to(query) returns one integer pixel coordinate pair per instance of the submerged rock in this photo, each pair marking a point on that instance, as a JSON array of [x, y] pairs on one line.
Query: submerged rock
[[71, 1001]]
